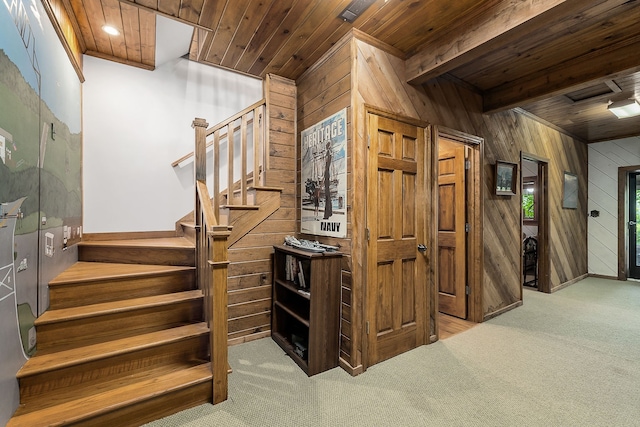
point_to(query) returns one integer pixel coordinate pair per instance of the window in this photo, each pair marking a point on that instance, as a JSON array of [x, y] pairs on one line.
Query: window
[[530, 200]]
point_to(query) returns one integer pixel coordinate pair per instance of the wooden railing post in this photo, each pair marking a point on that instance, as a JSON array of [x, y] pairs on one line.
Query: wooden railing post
[[219, 327], [200, 125]]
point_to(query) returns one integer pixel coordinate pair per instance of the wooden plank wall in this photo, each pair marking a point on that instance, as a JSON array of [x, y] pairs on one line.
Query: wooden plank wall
[[323, 90], [250, 269], [360, 71], [442, 102]]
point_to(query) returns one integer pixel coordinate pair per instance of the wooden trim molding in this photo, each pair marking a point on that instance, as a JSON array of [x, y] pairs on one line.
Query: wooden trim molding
[[569, 283], [502, 310], [353, 371], [602, 276], [120, 60]]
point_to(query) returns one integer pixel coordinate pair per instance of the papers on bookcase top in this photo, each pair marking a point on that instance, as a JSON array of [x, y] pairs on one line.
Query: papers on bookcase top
[[307, 245]]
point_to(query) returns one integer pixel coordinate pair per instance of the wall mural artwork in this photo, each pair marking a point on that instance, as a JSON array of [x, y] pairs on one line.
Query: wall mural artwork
[[40, 178], [324, 177]]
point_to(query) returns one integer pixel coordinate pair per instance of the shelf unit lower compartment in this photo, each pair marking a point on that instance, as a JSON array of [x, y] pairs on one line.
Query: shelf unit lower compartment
[[305, 323], [287, 346]]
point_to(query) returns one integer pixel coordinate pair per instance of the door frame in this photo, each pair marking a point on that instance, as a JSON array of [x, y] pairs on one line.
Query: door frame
[[475, 215], [544, 283], [623, 214]]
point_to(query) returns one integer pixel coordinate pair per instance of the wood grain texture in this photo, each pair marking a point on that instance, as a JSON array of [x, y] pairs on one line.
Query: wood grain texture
[[250, 256], [323, 90]]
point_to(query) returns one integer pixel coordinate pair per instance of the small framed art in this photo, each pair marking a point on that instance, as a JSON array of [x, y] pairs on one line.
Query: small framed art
[[506, 178]]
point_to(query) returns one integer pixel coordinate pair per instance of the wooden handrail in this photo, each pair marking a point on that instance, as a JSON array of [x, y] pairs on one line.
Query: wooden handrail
[[220, 126]]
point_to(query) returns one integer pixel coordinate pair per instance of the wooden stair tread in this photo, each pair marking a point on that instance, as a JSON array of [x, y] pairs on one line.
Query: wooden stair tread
[[62, 359], [81, 312], [107, 401], [84, 271], [159, 242]]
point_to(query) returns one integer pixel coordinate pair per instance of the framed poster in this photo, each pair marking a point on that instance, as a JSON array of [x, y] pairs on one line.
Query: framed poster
[[324, 177]]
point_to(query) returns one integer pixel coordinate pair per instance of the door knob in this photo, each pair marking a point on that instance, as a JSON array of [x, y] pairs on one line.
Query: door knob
[[422, 248]]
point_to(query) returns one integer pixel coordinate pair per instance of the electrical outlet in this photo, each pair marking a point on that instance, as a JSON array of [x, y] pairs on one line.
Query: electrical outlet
[[263, 278], [44, 220]]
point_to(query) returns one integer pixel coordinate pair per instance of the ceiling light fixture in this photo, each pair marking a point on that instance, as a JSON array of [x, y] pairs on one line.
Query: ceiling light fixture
[[110, 30], [625, 108]]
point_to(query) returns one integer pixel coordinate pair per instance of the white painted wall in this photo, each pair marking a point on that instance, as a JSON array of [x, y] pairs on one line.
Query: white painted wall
[[604, 160], [137, 122]]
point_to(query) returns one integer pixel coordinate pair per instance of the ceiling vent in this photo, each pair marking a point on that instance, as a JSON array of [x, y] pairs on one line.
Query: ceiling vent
[[355, 9], [607, 87]]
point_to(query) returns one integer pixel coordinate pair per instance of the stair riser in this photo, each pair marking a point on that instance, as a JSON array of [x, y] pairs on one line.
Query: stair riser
[[137, 255], [91, 374], [85, 293], [76, 333], [153, 409]]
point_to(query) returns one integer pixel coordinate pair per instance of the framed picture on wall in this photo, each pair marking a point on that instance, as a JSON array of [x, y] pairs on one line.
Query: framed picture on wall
[[570, 191], [506, 178]]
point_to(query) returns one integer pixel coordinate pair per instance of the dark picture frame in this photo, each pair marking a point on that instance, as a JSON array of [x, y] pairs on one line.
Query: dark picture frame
[[570, 191], [506, 178]]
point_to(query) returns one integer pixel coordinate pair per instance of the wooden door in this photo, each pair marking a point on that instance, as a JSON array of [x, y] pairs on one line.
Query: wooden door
[[396, 217], [452, 252]]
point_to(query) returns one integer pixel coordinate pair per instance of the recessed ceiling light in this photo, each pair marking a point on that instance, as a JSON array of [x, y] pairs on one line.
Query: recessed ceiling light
[[625, 108], [110, 30]]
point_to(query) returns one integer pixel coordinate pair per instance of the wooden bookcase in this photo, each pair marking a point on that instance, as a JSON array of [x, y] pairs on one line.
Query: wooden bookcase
[[307, 320]]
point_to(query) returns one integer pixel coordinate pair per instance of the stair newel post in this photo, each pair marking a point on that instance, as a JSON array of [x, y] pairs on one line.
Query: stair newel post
[[219, 328], [212, 265]]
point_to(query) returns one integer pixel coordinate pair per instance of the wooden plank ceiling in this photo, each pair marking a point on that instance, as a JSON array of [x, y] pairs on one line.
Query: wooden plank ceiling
[[561, 60]]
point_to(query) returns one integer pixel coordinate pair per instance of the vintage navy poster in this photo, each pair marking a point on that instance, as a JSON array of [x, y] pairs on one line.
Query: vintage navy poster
[[324, 177]]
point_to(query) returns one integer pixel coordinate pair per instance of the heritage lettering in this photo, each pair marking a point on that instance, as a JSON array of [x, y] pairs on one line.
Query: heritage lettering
[[321, 135]]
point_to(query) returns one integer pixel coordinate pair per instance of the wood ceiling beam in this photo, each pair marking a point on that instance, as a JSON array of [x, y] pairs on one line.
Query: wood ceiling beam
[[612, 62], [498, 25]]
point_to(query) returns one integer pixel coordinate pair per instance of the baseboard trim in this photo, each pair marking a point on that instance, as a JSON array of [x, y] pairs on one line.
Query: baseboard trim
[[92, 237], [501, 311], [602, 276], [350, 369], [248, 338], [568, 283]]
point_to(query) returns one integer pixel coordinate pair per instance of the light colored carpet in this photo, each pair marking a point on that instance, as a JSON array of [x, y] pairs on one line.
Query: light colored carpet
[[571, 358]]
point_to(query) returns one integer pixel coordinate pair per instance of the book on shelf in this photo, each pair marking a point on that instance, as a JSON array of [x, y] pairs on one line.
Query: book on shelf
[[301, 281]]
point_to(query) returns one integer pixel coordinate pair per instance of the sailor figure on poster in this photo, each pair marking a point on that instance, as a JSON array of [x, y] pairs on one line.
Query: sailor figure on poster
[[324, 177]]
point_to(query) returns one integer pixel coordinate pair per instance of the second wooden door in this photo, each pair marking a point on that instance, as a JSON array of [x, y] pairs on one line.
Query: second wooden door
[[452, 252]]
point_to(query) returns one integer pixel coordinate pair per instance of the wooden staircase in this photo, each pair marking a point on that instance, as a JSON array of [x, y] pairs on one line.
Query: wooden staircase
[[126, 338], [123, 342]]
